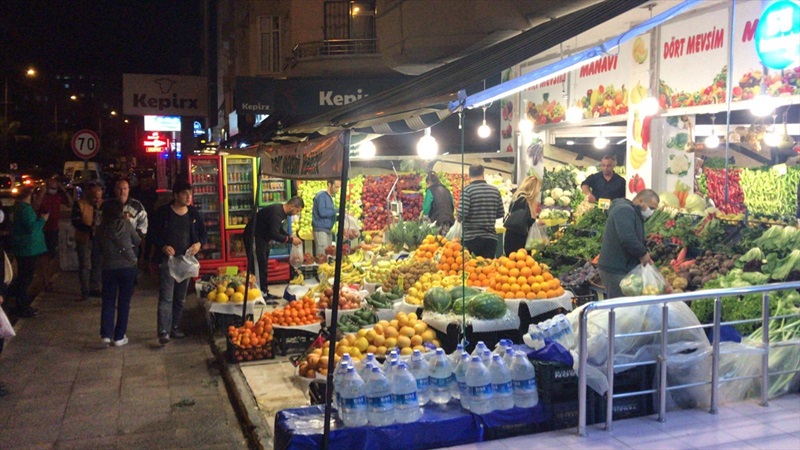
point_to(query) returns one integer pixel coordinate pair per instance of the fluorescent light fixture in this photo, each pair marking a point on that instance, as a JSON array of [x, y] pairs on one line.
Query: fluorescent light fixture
[[712, 141], [574, 114], [622, 141]]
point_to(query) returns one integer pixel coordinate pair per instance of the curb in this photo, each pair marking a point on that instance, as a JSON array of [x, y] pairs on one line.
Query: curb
[[254, 425]]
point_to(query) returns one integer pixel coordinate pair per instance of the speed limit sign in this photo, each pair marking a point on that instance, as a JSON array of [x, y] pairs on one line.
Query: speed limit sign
[[85, 144]]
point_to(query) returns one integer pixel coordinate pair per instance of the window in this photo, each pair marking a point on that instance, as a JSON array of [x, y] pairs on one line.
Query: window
[[270, 44], [349, 20]]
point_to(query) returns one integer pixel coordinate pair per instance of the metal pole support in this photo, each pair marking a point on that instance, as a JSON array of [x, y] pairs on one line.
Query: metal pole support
[[662, 364], [765, 344], [612, 325], [715, 356]]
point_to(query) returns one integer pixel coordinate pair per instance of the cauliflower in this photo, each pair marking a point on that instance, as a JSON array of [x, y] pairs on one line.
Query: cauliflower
[[564, 200], [556, 193], [549, 201], [678, 164], [546, 213]]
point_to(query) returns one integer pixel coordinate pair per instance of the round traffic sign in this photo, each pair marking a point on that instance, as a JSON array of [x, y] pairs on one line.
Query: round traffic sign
[[85, 144]]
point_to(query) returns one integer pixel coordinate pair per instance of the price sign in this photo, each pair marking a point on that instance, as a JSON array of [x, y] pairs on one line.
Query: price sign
[[85, 144]]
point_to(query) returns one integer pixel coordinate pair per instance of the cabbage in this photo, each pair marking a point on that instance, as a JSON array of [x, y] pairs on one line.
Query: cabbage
[[632, 285], [670, 199], [695, 203]]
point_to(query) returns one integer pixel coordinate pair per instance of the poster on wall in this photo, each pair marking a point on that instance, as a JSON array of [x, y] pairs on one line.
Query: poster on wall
[[545, 102], [677, 159], [508, 114], [599, 87], [749, 73], [639, 160], [693, 55]]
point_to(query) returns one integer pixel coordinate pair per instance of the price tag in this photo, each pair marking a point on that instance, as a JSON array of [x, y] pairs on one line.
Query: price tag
[[604, 203]]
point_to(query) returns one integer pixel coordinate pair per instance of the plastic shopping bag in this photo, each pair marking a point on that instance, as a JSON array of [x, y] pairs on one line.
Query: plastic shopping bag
[[537, 237], [296, 257], [455, 232], [6, 330], [351, 228], [643, 280], [183, 267]]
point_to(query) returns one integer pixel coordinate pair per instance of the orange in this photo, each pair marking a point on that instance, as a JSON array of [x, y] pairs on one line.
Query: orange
[[539, 279], [551, 294], [536, 287], [519, 294], [473, 276], [541, 295], [513, 273], [522, 253], [525, 272], [456, 246], [510, 265], [559, 291], [512, 256], [514, 287], [525, 288], [531, 279], [522, 280], [509, 295], [530, 262], [502, 270], [481, 277], [505, 287], [547, 276], [521, 263], [530, 295], [536, 269]]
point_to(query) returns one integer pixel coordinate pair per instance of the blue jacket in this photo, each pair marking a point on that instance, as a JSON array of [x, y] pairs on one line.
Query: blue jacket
[[323, 214]]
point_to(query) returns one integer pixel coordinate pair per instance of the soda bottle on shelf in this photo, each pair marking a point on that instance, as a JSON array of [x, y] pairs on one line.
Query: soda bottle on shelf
[[479, 383], [404, 395], [501, 384], [353, 410], [523, 377], [380, 407]]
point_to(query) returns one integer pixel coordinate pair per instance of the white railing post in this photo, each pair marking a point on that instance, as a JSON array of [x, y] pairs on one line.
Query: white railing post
[[612, 330], [765, 343], [582, 357], [715, 355], [662, 365]]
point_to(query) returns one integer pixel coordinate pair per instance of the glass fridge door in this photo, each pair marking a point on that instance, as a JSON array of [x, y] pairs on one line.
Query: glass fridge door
[[273, 190], [206, 197], [239, 191], [236, 248]]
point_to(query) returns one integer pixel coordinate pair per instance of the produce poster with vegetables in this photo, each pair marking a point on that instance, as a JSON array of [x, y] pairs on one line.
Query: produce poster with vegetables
[[544, 102], [639, 161], [509, 116], [676, 162], [600, 88], [693, 56], [747, 68]]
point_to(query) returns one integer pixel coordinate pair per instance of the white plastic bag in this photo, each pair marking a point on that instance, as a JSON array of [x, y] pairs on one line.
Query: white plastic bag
[[351, 228], [537, 237], [296, 257], [6, 330], [183, 267], [454, 234], [643, 280]]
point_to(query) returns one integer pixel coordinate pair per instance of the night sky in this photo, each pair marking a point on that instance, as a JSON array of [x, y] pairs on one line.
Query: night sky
[[103, 37]]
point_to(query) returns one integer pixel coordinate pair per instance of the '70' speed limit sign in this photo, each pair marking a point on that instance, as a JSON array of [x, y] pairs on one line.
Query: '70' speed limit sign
[[85, 144]]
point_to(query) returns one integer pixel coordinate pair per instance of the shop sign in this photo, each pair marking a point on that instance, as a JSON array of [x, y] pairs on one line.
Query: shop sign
[[600, 87], [164, 95], [777, 36]]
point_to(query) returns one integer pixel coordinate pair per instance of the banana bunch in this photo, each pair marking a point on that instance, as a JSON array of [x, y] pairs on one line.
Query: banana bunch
[[350, 273], [356, 257], [638, 156], [299, 279]]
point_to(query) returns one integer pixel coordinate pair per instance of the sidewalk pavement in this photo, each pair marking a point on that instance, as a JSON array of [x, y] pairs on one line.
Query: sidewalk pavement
[[68, 393]]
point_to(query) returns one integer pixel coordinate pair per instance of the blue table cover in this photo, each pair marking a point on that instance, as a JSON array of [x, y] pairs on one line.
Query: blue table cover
[[439, 426]]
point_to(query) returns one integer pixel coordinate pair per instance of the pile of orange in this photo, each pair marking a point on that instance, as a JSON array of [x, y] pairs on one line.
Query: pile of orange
[[252, 335], [430, 245], [451, 258], [297, 313], [520, 276], [480, 272]]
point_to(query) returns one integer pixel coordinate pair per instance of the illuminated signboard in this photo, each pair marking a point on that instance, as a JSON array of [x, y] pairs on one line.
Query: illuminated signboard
[[162, 123], [778, 35], [155, 142]]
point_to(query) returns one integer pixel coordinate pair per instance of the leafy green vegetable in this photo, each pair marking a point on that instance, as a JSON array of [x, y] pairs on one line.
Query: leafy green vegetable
[[754, 254], [786, 265]]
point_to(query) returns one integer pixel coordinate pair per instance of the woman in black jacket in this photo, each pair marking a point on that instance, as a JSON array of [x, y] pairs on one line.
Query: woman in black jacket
[[522, 214]]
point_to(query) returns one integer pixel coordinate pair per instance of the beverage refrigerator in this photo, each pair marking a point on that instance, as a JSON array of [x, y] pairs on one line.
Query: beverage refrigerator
[[240, 190], [275, 190], [208, 199]]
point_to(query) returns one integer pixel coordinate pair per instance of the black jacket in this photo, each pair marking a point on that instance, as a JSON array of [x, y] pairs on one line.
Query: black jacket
[[158, 230], [442, 207]]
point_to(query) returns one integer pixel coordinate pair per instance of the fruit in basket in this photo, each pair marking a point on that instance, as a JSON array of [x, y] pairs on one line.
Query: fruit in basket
[[405, 332], [487, 306], [222, 298], [520, 276], [297, 313], [427, 281], [253, 293], [252, 341], [436, 300]]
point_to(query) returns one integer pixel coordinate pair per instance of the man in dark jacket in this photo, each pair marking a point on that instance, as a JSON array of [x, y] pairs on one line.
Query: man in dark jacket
[[438, 204], [177, 229], [268, 229], [623, 245]]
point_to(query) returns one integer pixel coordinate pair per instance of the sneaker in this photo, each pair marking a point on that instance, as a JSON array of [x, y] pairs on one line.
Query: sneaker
[[105, 342], [163, 339], [177, 334], [121, 342]]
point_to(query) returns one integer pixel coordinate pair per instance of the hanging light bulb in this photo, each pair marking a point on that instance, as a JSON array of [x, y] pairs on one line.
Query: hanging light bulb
[[712, 141], [763, 105], [772, 137], [484, 131], [649, 107], [367, 150], [525, 125], [574, 114], [427, 147], [600, 142]]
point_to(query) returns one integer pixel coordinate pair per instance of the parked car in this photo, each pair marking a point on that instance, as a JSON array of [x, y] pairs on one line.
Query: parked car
[[9, 189]]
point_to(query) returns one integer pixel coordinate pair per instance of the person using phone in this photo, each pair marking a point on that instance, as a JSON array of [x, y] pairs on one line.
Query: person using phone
[[27, 244]]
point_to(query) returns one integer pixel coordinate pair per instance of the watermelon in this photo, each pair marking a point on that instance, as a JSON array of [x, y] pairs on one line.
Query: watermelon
[[487, 306], [457, 292], [436, 300], [459, 306]]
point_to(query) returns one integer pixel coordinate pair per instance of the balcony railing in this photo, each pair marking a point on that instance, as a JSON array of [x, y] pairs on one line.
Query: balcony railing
[[335, 47]]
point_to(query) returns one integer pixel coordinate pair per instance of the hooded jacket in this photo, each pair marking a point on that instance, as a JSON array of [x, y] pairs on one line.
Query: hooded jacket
[[119, 242]]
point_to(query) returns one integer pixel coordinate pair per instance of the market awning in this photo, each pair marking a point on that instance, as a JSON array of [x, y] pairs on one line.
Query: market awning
[[411, 106]]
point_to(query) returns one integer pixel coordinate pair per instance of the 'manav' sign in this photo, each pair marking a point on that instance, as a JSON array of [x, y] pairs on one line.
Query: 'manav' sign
[[164, 95]]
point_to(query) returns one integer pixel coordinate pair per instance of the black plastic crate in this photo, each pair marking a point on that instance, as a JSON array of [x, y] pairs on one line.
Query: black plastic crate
[[639, 378], [555, 382], [293, 341], [248, 354], [223, 321], [449, 341], [564, 414]]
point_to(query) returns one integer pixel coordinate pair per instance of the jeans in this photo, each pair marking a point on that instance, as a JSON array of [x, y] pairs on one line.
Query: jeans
[[322, 239], [486, 247], [117, 292], [611, 283], [262, 257], [171, 296], [26, 266], [89, 266]]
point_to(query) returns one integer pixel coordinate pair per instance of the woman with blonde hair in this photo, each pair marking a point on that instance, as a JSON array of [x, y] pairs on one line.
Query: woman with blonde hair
[[522, 214]]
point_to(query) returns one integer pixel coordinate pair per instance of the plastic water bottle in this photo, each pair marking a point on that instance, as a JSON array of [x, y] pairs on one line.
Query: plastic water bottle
[[565, 336], [441, 380], [392, 370], [362, 365], [455, 357], [404, 395], [534, 338], [508, 356], [421, 372], [338, 373], [379, 399], [486, 357], [455, 392], [523, 380], [461, 380], [353, 411], [479, 348], [500, 348], [501, 384], [479, 383]]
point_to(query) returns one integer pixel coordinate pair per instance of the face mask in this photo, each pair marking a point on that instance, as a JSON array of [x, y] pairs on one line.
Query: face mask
[[52, 191], [647, 213]]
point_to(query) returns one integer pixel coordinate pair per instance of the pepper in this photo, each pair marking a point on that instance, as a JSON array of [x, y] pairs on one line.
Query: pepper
[[646, 131]]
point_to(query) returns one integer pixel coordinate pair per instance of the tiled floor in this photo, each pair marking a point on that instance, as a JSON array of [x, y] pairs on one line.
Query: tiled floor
[[744, 425]]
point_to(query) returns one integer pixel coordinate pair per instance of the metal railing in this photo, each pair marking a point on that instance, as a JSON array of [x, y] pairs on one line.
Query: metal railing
[[335, 47], [664, 301]]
